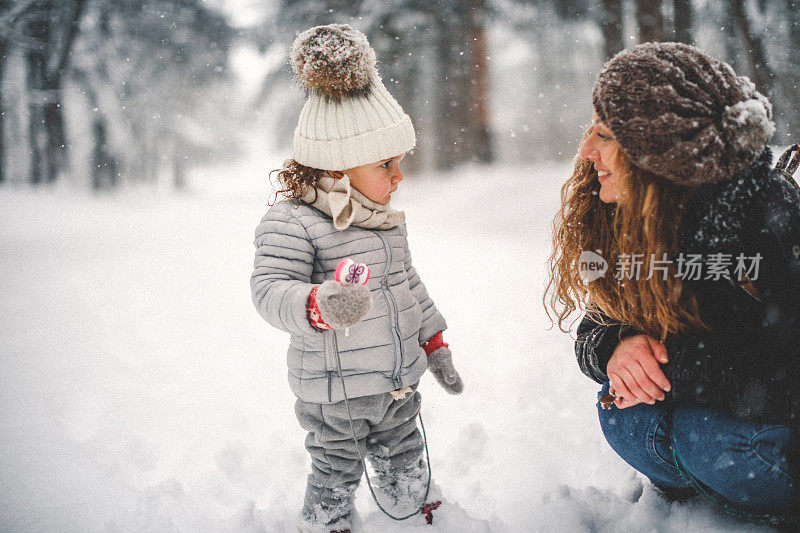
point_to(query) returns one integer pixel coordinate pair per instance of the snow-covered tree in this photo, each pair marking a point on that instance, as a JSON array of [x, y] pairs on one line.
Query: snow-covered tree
[[154, 74]]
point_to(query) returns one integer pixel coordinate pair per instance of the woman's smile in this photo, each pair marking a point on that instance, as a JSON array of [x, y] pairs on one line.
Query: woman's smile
[[600, 148]]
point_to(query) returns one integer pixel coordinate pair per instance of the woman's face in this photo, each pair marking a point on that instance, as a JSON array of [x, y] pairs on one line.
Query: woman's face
[[601, 149], [377, 181]]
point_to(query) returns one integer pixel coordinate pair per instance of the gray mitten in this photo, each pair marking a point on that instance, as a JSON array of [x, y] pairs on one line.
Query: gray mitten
[[440, 363], [341, 306]]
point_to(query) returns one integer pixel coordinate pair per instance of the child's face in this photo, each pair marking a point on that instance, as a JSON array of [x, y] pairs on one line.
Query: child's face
[[377, 181]]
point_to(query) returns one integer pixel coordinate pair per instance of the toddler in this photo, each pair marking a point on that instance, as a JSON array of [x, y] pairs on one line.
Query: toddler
[[371, 342]]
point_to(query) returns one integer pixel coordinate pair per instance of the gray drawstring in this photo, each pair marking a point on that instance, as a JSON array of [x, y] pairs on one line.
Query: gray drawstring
[[361, 456]]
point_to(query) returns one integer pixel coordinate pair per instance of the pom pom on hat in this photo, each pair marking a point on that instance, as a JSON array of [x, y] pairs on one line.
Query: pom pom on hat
[[349, 118], [334, 61], [747, 123]]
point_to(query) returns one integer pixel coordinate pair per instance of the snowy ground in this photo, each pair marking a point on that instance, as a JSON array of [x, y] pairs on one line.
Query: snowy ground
[[140, 391]]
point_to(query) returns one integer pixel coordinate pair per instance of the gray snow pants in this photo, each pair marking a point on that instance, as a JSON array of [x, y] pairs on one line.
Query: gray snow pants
[[385, 427]]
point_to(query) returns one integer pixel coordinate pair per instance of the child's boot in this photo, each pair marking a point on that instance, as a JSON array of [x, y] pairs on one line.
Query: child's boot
[[326, 510], [403, 488]]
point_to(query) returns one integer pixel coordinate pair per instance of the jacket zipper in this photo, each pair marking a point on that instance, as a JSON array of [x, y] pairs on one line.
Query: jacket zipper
[[331, 350], [332, 372], [398, 362]]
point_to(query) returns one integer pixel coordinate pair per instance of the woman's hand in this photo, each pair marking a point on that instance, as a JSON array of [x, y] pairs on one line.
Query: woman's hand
[[634, 371]]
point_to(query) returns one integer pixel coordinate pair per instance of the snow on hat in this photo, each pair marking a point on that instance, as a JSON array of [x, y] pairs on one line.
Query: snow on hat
[[679, 113], [349, 119]]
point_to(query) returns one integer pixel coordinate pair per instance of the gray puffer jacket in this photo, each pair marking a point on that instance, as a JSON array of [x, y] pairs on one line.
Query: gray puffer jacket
[[297, 249]]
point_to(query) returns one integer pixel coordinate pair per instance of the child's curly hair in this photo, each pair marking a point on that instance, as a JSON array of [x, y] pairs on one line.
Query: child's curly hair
[[295, 179]]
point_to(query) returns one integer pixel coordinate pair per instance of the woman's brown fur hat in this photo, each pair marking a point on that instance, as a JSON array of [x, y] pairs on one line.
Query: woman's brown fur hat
[[681, 114]]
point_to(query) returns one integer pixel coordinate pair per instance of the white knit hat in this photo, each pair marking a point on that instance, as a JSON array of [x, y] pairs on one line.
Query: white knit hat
[[349, 119]]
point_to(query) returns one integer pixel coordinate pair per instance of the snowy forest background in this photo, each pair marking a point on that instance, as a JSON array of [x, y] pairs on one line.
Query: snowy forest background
[[102, 93], [139, 388]]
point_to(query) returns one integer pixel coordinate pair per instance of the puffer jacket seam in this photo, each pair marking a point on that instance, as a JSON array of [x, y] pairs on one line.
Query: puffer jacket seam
[[308, 236], [370, 347], [348, 243]]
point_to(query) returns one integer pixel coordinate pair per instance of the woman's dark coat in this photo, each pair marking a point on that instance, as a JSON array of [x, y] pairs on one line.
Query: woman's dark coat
[[749, 364]]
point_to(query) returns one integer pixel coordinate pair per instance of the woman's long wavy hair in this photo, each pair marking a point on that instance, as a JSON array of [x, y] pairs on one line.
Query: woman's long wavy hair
[[646, 220]]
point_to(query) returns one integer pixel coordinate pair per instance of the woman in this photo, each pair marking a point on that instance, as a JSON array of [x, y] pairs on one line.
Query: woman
[[694, 328]]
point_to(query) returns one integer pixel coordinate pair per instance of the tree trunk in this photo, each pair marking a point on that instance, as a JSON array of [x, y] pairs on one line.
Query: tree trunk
[[37, 26], [5, 47], [731, 41], [650, 20], [54, 133], [104, 165], [402, 63], [481, 146], [682, 13], [789, 79], [3, 51], [453, 56], [794, 23], [37, 137], [611, 26], [57, 65], [179, 172], [793, 48], [762, 74], [407, 93]]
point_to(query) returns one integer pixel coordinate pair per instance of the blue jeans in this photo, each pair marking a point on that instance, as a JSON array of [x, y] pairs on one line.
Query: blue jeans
[[746, 463]]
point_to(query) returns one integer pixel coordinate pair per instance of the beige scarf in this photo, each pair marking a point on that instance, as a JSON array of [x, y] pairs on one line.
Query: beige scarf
[[348, 207]]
